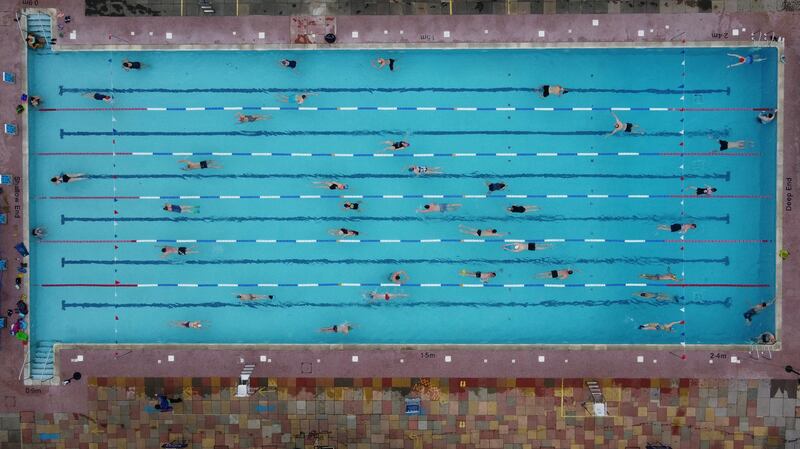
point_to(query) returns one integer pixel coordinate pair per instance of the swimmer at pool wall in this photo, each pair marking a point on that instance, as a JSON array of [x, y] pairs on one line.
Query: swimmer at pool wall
[[167, 251], [547, 90], [753, 311], [766, 338], [39, 232], [660, 327], [65, 178], [131, 65], [556, 274], [681, 228], [343, 328], [484, 276], [480, 232], [439, 207], [35, 101], [767, 117], [745, 60], [734, 144], [202, 165], [619, 126]]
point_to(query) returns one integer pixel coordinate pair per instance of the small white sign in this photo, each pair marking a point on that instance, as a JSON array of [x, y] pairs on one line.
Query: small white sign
[[355, 34]]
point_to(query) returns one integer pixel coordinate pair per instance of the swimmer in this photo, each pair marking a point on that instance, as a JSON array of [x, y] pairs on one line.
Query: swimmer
[[202, 165], [766, 338], [522, 209], [439, 207], [660, 277], [298, 98], [39, 233], [556, 274], [181, 208], [678, 227], [423, 170], [733, 144], [660, 327], [189, 324], [547, 90], [343, 328], [252, 297], [394, 146], [495, 186], [98, 96], [656, 296], [480, 232], [331, 185], [385, 296], [519, 247], [35, 42], [752, 311], [484, 276], [352, 206], [766, 117], [250, 118], [65, 178], [343, 232], [181, 251], [131, 65], [399, 277], [383, 62], [288, 63], [745, 60], [623, 127], [702, 191], [35, 101]]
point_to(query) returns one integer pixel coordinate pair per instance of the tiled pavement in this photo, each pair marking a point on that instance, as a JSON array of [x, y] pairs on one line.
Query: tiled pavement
[[456, 413]]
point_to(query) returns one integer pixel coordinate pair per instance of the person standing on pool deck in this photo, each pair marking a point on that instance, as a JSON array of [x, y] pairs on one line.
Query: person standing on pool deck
[[65, 178], [394, 146], [202, 165], [330, 185], [98, 96], [181, 251], [181, 209], [556, 274], [131, 65], [289, 63], [515, 209], [619, 126], [496, 186], [547, 90], [752, 311], [733, 144], [383, 62], [480, 232], [660, 327], [745, 60], [519, 247], [702, 191], [484, 276], [343, 328], [399, 277], [678, 227], [439, 207]]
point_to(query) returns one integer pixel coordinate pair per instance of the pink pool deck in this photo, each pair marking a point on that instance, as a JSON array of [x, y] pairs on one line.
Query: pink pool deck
[[453, 361]]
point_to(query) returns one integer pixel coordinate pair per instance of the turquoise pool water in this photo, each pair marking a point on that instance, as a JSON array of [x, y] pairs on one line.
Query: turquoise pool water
[[98, 275]]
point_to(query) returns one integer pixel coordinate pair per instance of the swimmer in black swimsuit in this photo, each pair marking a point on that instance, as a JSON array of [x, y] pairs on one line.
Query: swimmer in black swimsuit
[[65, 178], [766, 338], [249, 118], [394, 146], [547, 90], [480, 232], [352, 206], [343, 232], [131, 65], [519, 247], [555, 274], [678, 227], [289, 64], [702, 191], [98, 96], [732, 145], [331, 185], [751, 312], [180, 251], [383, 62], [483, 276], [181, 209], [338, 328], [202, 165], [399, 277], [420, 170], [625, 127], [495, 186], [522, 209]]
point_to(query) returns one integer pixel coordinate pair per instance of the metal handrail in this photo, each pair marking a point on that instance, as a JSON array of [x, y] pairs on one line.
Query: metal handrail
[[24, 362]]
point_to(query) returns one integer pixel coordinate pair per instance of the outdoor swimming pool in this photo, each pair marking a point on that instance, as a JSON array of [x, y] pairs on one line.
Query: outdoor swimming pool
[[99, 277]]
